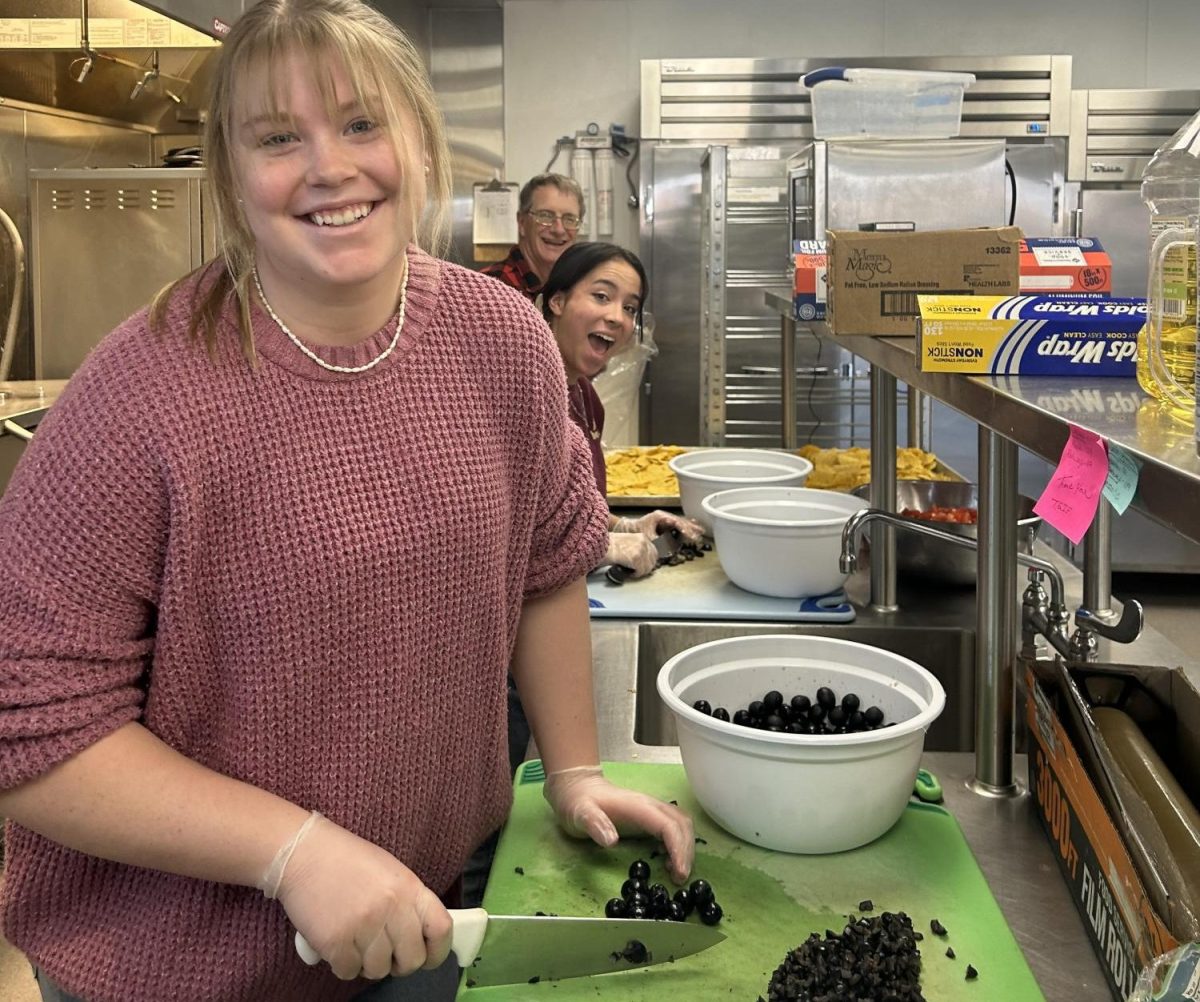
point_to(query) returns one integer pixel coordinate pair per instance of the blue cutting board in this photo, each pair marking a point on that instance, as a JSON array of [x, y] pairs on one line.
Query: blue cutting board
[[772, 900], [700, 590]]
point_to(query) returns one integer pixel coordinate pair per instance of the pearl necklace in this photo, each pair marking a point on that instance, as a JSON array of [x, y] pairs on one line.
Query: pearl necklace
[[317, 358]]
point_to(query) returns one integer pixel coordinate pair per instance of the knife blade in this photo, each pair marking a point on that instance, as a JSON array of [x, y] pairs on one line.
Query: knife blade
[[517, 949]]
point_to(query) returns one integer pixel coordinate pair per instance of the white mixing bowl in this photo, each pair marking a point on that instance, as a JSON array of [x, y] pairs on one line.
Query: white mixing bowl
[[781, 541], [796, 792], [702, 472]]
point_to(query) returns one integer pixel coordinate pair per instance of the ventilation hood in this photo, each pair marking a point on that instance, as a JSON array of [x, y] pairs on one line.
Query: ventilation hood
[[135, 63]]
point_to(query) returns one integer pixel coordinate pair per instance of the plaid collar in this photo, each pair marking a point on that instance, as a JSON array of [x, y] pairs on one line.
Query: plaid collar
[[514, 270]]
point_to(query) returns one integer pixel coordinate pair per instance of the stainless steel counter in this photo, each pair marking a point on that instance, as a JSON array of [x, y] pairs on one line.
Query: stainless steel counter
[[1036, 413]]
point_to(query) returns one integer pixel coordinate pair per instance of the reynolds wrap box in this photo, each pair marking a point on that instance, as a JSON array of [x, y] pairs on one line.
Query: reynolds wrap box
[[875, 277], [809, 300], [1030, 335], [1063, 266]]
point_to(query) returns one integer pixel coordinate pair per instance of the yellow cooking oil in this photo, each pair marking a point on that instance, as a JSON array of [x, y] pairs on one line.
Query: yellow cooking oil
[[1166, 363]]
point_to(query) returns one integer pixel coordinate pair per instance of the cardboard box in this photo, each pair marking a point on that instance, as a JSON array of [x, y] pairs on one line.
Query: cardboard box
[[1029, 335], [1065, 266], [875, 278], [1130, 897], [809, 298]]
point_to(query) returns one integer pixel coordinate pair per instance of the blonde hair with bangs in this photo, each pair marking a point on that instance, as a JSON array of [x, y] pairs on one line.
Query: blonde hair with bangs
[[388, 76]]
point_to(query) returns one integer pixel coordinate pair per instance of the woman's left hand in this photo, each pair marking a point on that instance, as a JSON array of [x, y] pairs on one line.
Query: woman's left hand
[[656, 523], [588, 805]]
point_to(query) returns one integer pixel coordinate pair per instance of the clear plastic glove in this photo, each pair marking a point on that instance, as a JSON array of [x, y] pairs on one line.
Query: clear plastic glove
[[657, 522], [359, 907], [632, 550], [588, 805]]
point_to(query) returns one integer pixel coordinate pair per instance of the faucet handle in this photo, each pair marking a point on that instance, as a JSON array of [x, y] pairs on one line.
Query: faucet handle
[[1125, 631]]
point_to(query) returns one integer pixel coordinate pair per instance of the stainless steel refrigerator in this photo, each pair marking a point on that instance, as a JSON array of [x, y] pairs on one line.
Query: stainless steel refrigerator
[[104, 241]]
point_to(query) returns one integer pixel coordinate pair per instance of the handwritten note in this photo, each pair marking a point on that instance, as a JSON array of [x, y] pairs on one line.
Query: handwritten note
[[1123, 471], [1070, 500]]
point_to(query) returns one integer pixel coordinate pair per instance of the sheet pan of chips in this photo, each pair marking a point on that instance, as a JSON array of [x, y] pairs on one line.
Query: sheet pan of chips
[[845, 469], [638, 476]]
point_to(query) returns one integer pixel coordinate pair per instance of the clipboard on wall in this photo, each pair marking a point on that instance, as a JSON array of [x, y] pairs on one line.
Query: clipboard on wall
[[494, 218]]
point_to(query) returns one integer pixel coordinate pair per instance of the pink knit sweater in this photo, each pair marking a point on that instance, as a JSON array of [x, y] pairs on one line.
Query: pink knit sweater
[[306, 580]]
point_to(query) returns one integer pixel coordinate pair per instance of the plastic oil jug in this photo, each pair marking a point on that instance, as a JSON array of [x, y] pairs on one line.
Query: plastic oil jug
[[1166, 363]]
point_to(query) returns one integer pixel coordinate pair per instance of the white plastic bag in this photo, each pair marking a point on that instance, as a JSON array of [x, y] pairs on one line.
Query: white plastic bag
[[1173, 977], [619, 387]]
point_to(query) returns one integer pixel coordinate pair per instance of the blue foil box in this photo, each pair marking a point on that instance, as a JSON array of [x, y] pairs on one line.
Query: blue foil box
[[1029, 335]]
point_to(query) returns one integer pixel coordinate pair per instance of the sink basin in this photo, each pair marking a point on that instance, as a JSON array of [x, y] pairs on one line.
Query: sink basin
[[947, 652]]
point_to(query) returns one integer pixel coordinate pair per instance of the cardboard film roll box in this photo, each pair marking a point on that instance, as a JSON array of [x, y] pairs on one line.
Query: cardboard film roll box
[[1130, 879], [874, 278]]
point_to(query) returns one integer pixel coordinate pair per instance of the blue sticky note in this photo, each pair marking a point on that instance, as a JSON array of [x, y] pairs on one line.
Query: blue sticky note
[[1121, 483]]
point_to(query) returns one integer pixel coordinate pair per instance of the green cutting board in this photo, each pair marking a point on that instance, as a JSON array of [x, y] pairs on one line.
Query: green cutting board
[[772, 900]]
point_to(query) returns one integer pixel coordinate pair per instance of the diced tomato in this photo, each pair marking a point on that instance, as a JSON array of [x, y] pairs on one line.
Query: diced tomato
[[944, 513]]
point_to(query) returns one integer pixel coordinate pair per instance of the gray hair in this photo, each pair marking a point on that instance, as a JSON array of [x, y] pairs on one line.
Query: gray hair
[[567, 185]]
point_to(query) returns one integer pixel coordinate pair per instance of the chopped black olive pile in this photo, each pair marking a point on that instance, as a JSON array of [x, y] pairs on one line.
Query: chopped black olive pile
[[873, 960], [825, 714], [642, 900], [687, 551]]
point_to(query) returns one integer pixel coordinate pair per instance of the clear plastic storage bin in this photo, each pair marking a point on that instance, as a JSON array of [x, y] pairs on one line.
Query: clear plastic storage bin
[[864, 103]]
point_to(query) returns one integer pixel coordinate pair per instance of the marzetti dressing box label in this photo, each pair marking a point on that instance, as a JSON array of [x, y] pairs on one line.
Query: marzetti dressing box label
[[1029, 335]]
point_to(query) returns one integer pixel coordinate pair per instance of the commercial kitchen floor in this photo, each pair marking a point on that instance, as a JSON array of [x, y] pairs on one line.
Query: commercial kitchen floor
[[1171, 602]]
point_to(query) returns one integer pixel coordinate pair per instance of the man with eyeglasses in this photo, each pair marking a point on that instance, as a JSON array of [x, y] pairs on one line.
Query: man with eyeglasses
[[549, 215]]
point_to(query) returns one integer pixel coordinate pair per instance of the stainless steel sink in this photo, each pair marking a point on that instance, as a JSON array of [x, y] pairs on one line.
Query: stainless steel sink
[[947, 652]]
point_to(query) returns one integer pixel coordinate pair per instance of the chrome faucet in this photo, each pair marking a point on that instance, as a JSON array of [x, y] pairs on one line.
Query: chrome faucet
[[1041, 614]]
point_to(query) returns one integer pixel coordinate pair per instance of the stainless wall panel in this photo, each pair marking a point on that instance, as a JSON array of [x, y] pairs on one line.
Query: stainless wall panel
[[467, 66], [32, 139]]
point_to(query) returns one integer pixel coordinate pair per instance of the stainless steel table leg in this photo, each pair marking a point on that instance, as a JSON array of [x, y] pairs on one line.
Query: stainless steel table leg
[[787, 379], [883, 489], [1097, 563], [919, 412], [996, 611]]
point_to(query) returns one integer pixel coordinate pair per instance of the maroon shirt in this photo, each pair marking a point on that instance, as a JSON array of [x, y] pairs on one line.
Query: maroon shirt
[[587, 412]]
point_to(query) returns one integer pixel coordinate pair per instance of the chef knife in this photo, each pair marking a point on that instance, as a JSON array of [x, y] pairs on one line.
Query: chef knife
[[517, 949]]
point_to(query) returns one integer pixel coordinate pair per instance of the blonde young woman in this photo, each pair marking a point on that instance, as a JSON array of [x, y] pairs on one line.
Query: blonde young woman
[[269, 559]]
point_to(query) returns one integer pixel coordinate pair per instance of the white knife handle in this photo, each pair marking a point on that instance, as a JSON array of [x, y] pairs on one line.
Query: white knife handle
[[469, 926]]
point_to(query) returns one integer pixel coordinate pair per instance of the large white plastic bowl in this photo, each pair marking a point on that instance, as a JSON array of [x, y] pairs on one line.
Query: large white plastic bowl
[[795, 792], [702, 472], [781, 541]]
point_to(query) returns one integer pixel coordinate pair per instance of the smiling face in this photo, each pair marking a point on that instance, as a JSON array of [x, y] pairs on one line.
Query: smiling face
[[330, 206], [595, 318], [542, 245]]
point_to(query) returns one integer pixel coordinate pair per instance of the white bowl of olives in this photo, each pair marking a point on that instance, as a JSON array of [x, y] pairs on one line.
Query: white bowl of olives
[[825, 761]]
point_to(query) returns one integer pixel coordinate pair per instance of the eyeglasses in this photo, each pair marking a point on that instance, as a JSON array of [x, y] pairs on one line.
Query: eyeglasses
[[544, 218]]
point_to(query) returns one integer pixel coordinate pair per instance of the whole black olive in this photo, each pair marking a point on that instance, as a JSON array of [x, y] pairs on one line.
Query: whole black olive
[[638, 911], [720, 713], [635, 952], [742, 717], [797, 727], [659, 893], [633, 886], [639, 899], [774, 723], [756, 708], [800, 704], [710, 914], [661, 909], [873, 716], [773, 699], [850, 702], [615, 908], [639, 869], [857, 721], [816, 713], [676, 912], [702, 706], [837, 716], [825, 697], [702, 892], [683, 898]]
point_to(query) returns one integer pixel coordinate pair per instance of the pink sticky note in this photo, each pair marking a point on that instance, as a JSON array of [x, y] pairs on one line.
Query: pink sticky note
[[1070, 500]]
